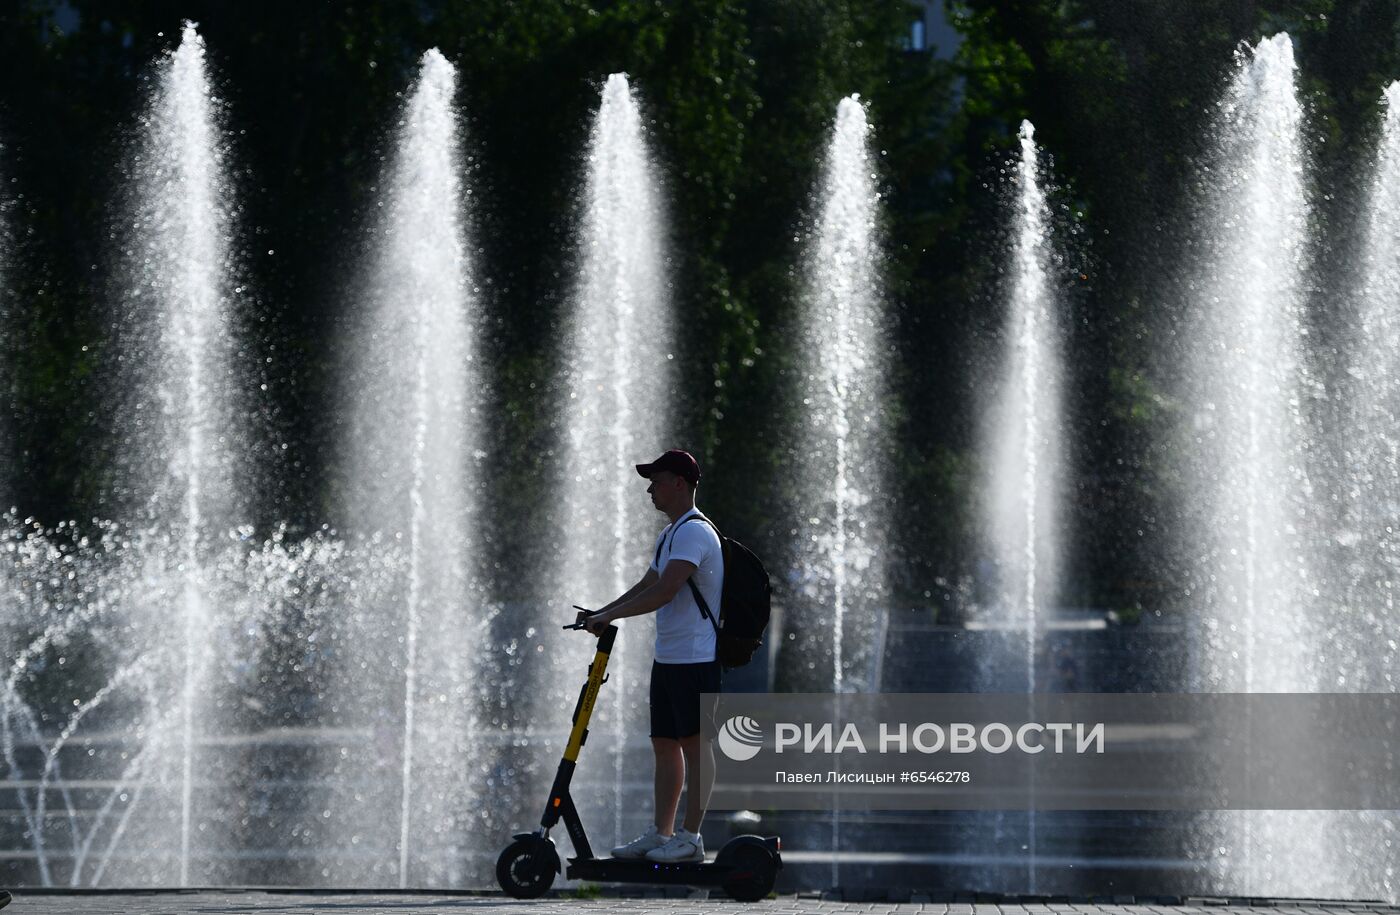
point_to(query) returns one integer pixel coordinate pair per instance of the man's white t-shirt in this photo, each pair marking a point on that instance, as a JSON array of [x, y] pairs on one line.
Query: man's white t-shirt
[[683, 635]]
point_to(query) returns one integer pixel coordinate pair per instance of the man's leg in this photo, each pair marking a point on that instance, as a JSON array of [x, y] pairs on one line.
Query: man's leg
[[699, 753], [670, 769]]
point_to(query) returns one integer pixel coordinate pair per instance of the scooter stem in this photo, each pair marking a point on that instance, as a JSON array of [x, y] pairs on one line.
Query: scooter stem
[[584, 709]]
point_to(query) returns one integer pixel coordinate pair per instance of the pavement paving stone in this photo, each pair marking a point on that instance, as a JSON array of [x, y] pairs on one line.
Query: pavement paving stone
[[251, 902]]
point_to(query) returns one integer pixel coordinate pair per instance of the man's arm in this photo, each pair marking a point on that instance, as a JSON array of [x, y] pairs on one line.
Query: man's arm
[[647, 580], [653, 597]]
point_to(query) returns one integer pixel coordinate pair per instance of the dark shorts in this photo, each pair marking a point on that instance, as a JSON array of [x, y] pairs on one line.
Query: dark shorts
[[675, 699]]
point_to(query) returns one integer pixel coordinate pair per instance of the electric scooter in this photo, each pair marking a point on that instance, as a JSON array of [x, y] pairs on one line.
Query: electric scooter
[[746, 867]]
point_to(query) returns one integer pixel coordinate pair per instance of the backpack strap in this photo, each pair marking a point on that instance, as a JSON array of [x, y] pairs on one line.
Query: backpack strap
[[700, 602], [657, 561], [694, 589]]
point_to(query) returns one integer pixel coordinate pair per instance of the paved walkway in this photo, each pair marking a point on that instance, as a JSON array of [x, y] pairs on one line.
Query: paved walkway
[[227, 902]]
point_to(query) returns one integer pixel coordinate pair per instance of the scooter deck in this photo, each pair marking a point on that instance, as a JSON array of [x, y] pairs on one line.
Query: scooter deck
[[640, 870]]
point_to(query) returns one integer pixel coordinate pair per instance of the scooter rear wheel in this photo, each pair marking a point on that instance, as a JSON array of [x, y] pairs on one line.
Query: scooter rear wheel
[[525, 870], [753, 875]]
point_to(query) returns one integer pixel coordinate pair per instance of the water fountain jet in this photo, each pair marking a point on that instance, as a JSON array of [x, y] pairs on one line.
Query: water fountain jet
[[1024, 448], [842, 458], [620, 380], [1253, 547], [185, 468], [413, 480]]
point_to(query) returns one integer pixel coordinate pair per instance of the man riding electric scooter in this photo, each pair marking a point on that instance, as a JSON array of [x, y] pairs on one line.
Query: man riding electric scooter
[[683, 585], [685, 665]]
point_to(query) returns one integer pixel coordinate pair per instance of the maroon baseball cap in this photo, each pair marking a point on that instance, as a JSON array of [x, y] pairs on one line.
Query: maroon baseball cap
[[681, 463]]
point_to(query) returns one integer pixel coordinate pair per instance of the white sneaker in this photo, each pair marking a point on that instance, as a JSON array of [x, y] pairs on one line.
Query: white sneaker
[[639, 846], [683, 846]]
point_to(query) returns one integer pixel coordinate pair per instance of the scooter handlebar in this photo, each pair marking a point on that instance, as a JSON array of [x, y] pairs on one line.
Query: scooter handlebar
[[583, 614], [605, 640]]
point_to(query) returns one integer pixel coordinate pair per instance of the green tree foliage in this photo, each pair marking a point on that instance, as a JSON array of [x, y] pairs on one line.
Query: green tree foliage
[[739, 98], [1122, 93]]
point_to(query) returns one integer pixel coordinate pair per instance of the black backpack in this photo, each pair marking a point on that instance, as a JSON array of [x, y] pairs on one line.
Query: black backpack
[[745, 601]]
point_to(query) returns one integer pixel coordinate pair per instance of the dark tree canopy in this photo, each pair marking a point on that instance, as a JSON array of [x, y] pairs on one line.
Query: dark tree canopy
[[739, 98]]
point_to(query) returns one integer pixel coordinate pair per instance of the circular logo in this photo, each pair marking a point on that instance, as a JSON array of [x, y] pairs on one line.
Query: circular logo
[[741, 738]]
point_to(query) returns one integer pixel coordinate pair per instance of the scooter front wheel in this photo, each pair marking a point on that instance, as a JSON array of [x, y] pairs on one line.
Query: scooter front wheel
[[525, 870]]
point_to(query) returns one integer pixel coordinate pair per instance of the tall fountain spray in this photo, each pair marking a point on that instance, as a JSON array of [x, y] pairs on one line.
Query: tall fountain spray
[[1247, 396], [844, 440], [1023, 438], [411, 449], [181, 459], [843, 446], [164, 596], [1371, 442], [1022, 441], [621, 387], [1248, 380], [1363, 630]]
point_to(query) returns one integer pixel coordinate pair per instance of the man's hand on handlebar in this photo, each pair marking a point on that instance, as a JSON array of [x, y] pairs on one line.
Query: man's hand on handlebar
[[595, 621]]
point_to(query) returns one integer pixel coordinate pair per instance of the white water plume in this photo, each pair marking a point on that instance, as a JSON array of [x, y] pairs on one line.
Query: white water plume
[[1360, 648], [1248, 381], [842, 460], [1022, 437], [407, 674], [619, 371], [1371, 442], [179, 474], [1022, 440], [1247, 392]]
